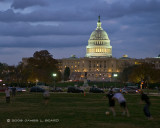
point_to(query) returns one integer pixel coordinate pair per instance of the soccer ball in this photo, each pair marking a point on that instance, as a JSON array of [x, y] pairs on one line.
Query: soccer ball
[[107, 113]]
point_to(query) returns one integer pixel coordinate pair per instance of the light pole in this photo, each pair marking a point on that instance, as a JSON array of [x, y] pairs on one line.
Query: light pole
[[36, 82], [103, 83], [115, 75], [0, 81], [54, 76]]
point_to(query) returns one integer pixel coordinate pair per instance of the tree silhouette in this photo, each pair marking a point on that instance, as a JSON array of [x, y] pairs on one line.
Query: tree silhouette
[[66, 73], [41, 67]]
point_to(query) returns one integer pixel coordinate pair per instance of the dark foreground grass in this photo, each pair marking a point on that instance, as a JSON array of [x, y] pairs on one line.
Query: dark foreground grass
[[74, 111]]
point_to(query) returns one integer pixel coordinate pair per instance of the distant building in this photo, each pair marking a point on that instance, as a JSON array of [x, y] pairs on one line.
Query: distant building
[[99, 65]]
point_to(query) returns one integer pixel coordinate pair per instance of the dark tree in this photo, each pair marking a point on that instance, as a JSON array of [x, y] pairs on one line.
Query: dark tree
[[4, 71], [41, 67], [126, 73], [145, 72], [66, 73]]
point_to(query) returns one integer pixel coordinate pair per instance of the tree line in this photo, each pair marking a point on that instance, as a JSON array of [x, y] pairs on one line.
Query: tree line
[[40, 67], [143, 72]]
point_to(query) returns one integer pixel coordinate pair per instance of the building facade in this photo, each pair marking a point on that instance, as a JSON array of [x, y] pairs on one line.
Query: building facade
[[101, 69], [99, 65]]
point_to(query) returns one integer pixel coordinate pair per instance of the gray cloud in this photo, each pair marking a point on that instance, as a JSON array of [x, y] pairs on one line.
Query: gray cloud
[[82, 11], [43, 15], [26, 29], [43, 41], [21, 4], [119, 9], [133, 26]]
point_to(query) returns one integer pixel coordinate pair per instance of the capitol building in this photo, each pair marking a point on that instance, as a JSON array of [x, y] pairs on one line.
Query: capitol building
[[99, 64]]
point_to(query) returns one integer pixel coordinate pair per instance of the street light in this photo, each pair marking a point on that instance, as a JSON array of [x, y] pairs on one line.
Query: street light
[[36, 81], [115, 75], [103, 82], [0, 81], [54, 75]]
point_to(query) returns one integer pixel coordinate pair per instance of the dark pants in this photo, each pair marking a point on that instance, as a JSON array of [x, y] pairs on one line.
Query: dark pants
[[7, 99], [146, 110]]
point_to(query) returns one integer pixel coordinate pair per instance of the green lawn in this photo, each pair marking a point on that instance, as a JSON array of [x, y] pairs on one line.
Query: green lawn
[[74, 111]]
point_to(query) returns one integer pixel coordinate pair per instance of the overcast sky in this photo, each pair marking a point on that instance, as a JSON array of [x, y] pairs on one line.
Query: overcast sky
[[63, 27]]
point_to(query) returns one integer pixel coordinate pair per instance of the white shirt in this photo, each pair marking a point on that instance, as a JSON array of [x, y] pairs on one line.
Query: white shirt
[[46, 94], [7, 91], [119, 97]]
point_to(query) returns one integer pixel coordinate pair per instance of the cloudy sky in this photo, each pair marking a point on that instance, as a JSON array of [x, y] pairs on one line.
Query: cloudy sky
[[63, 27]]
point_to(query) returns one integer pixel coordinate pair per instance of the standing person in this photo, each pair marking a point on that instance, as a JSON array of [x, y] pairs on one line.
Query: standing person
[[122, 101], [46, 96], [145, 98], [7, 92], [111, 102]]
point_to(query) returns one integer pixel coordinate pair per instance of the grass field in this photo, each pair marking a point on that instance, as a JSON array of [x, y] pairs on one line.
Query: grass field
[[74, 111]]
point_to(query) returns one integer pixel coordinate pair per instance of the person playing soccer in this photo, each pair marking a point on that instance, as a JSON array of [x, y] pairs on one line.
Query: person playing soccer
[[111, 102], [122, 101], [145, 98]]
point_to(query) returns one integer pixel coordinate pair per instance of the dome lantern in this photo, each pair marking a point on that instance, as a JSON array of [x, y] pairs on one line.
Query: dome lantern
[[99, 24]]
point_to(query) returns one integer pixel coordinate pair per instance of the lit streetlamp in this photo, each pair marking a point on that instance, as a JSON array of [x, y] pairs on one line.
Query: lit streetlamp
[[0, 81], [36, 81], [54, 76], [115, 75]]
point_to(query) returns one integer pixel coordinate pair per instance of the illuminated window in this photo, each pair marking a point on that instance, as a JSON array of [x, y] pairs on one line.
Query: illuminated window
[[109, 70]]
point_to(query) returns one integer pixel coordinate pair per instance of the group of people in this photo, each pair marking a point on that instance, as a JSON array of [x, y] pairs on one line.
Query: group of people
[[112, 97], [122, 101], [12, 92]]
